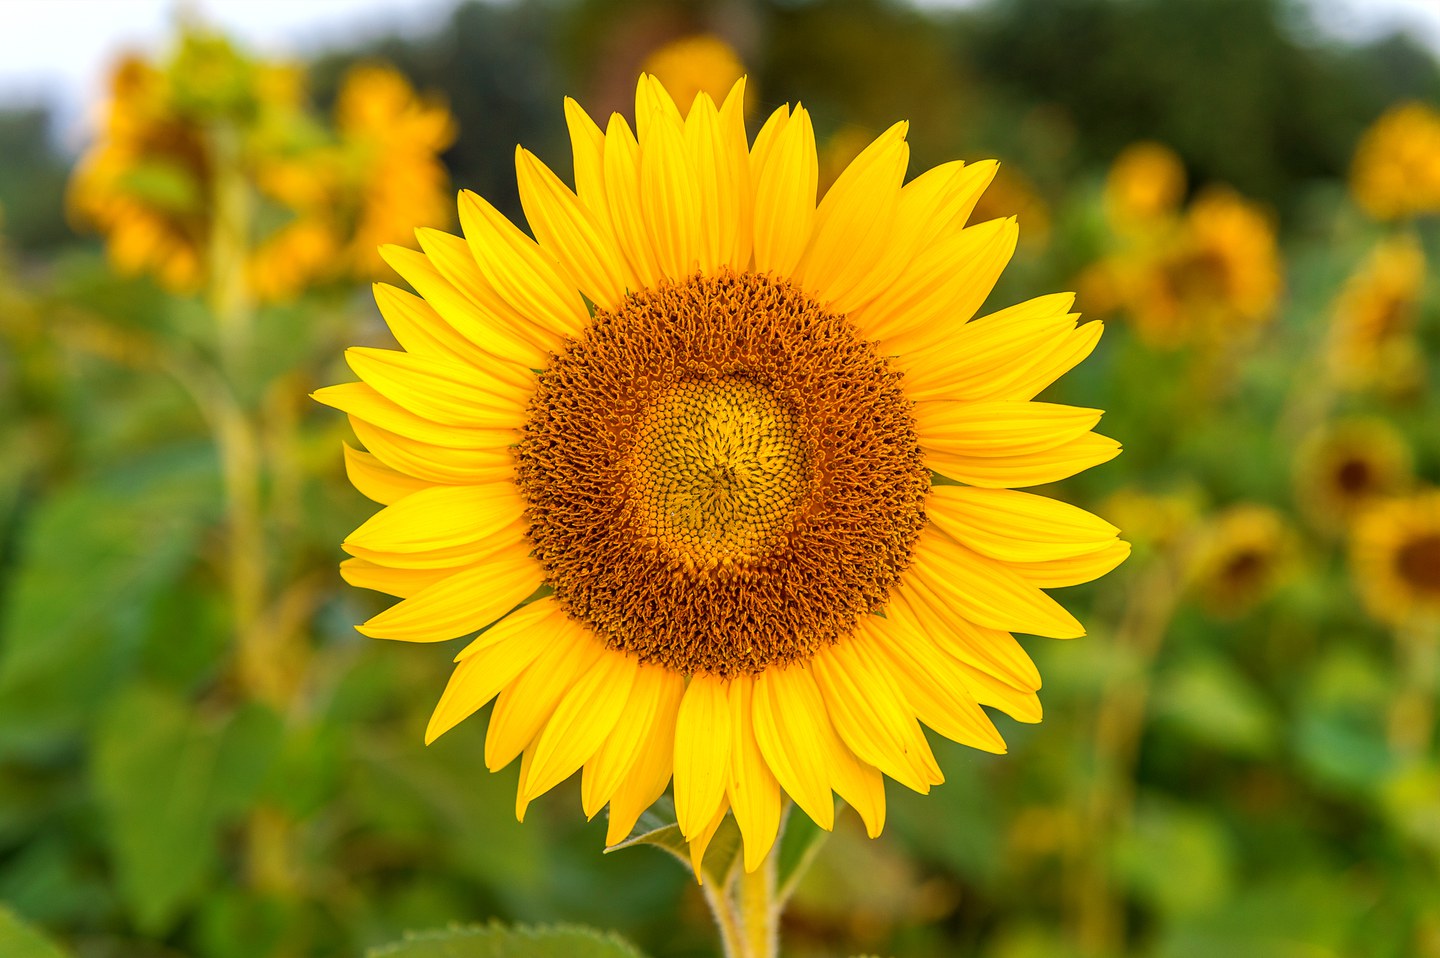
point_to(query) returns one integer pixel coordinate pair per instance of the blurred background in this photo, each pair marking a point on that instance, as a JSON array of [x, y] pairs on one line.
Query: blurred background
[[199, 756]]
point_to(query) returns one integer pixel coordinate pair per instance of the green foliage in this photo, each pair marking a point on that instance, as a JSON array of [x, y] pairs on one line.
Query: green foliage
[[497, 941], [19, 940]]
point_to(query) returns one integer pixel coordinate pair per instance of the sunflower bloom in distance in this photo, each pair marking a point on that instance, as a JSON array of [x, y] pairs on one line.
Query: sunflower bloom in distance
[[756, 449]]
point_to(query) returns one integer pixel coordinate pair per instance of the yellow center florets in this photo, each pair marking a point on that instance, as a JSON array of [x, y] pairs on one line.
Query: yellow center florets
[[718, 471]]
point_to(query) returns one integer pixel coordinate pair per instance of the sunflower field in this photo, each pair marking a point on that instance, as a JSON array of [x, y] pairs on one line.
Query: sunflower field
[[739, 420]]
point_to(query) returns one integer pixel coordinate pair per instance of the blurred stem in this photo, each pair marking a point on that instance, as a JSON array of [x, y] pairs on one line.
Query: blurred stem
[[1411, 725], [228, 253], [261, 640], [1098, 913]]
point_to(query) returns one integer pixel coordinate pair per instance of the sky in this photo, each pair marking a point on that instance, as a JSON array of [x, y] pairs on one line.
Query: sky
[[56, 52]]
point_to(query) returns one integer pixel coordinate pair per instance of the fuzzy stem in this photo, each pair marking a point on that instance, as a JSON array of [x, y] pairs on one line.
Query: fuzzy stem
[[757, 911]]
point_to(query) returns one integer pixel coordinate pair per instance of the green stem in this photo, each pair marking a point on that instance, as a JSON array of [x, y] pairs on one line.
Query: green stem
[[757, 911]]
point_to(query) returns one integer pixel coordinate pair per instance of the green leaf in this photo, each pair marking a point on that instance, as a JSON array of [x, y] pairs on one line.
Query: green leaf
[[1212, 701], [800, 841], [92, 558], [657, 827], [498, 941], [19, 940], [157, 771]]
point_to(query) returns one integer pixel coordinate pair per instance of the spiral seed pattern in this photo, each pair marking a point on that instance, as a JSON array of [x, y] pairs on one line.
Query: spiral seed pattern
[[721, 476]]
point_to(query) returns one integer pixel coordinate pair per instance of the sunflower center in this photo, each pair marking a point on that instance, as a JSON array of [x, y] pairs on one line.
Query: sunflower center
[[720, 476], [1354, 477], [718, 470], [1418, 562]]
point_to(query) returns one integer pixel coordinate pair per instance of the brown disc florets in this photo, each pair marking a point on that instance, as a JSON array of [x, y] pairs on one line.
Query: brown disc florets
[[1418, 563], [721, 476]]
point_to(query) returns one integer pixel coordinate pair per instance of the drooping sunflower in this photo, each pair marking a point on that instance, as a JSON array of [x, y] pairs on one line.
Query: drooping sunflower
[[1395, 558], [728, 480]]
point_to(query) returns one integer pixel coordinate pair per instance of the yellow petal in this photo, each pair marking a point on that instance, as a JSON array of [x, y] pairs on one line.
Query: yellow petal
[[653, 105], [420, 330], [460, 313], [870, 714], [525, 705], [583, 719], [435, 464], [993, 651], [785, 196], [1036, 362], [859, 783], [1073, 570], [854, 225], [401, 583], [752, 790], [701, 842], [605, 770], [364, 402], [702, 752], [519, 270], [1027, 469], [377, 481], [792, 728], [449, 393], [934, 685], [999, 429], [736, 209], [622, 190], [765, 140], [463, 603], [441, 517], [987, 592], [939, 201], [668, 196], [940, 289], [988, 349], [508, 649], [578, 239], [703, 146], [647, 778], [455, 260], [1016, 526]]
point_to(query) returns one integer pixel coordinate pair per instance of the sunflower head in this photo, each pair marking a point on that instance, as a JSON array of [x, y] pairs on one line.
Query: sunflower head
[[1373, 319], [726, 479], [1396, 169], [1244, 554], [1144, 186], [1345, 467], [1395, 558]]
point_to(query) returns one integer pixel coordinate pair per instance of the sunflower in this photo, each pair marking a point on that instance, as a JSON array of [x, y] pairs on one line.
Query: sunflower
[[1395, 558], [727, 480], [1144, 186], [145, 181], [698, 63], [1212, 274], [1243, 555], [1371, 334], [1396, 169], [1346, 466]]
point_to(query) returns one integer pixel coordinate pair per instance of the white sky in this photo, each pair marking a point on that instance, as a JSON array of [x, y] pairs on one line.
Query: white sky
[[57, 51]]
